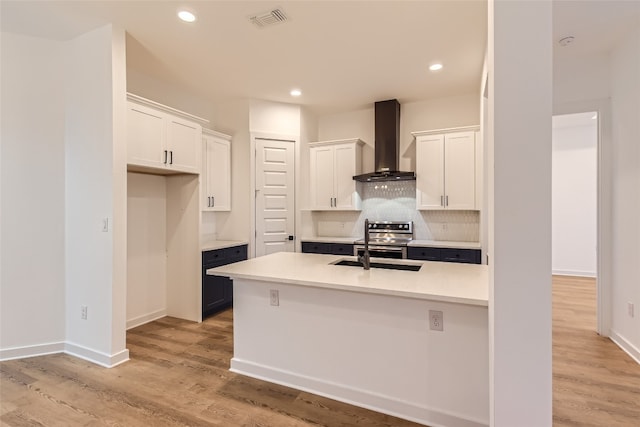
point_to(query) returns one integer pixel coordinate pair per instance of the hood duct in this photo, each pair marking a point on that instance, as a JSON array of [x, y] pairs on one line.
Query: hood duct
[[387, 145]]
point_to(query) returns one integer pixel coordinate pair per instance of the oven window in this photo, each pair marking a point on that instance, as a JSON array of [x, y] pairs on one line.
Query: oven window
[[381, 253]]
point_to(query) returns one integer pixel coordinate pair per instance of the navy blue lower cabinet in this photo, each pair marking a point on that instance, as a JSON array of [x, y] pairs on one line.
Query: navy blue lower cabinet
[[423, 253], [315, 248], [468, 256], [327, 248], [217, 291]]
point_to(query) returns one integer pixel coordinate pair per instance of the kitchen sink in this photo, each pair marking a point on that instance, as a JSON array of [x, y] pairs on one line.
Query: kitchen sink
[[378, 264]]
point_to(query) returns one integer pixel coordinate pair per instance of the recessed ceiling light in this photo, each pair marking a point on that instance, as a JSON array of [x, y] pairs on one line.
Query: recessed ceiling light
[[435, 67], [186, 15], [295, 92]]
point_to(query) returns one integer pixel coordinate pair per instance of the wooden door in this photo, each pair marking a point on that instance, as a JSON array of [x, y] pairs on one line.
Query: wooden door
[[275, 196]]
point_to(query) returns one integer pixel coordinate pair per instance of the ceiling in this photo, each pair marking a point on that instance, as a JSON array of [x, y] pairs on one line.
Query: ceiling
[[343, 55]]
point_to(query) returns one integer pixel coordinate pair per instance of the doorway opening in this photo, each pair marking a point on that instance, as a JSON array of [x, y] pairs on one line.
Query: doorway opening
[[574, 194], [577, 199]]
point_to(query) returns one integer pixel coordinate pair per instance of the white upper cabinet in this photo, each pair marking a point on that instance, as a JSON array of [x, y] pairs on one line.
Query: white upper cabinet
[[161, 138], [216, 171], [446, 169], [333, 165], [183, 144], [146, 132]]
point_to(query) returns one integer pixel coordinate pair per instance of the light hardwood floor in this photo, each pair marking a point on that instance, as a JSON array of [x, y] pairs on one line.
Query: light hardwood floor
[[178, 376], [594, 382]]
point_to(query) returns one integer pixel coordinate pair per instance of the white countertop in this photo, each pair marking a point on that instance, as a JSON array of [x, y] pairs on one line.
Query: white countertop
[[429, 243], [220, 244], [437, 281], [348, 240], [445, 244]]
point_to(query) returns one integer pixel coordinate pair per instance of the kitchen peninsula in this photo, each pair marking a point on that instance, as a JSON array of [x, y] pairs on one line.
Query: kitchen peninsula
[[365, 337]]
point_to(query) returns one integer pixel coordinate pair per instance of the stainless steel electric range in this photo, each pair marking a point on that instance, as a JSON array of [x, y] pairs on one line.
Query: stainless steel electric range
[[387, 239]]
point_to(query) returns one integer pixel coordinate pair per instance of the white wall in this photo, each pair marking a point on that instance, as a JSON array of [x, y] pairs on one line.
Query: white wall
[[95, 184], [519, 143], [625, 102], [574, 194], [372, 350], [579, 78], [351, 124], [276, 120], [146, 248], [308, 133], [32, 194], [232, 118], [437, 113]]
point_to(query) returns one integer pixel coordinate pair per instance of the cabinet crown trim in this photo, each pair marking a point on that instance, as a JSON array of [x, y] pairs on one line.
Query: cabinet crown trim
[[212, 132], [149, 103], [357, 141], [446, 130]]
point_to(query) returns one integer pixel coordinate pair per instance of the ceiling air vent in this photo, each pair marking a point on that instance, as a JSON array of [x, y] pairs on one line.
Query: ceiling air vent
[[266, 19]]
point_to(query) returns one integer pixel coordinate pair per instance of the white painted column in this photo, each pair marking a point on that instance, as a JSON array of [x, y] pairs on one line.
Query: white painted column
[[519, 108], [95, 192]]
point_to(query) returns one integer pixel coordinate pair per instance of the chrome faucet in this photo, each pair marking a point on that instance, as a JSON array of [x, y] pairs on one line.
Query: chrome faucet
[[365, 259]]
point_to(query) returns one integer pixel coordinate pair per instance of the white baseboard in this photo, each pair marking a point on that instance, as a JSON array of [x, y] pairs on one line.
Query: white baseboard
[[102, 359], [146, 318], [574, 273], [97, 357], [358, 397], [31, 351], [625, 345]]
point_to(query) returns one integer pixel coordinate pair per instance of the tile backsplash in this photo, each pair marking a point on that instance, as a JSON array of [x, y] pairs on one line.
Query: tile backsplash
[[396, 201]]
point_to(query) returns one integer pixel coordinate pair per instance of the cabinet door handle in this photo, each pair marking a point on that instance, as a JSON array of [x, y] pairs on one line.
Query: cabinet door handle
[[446, 200], [165, 156], [442, 201], [209, 201], [213, 201], [171, 157]]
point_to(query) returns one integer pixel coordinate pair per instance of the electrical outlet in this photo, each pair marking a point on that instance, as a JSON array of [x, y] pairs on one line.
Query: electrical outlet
[[630, 309], [436, 320], [83, 312], [274, 297]]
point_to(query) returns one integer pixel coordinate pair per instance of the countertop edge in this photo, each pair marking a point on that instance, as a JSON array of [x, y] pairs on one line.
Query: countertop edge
[[359, 289], [444, 244], [221, 244]]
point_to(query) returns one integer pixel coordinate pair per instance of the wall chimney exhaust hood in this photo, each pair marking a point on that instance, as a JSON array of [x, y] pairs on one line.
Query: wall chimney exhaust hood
[[387, 145]]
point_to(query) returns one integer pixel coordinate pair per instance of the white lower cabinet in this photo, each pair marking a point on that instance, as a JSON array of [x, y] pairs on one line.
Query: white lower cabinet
[[333, 165], [446, 169], [216, 171], [161, 138]]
